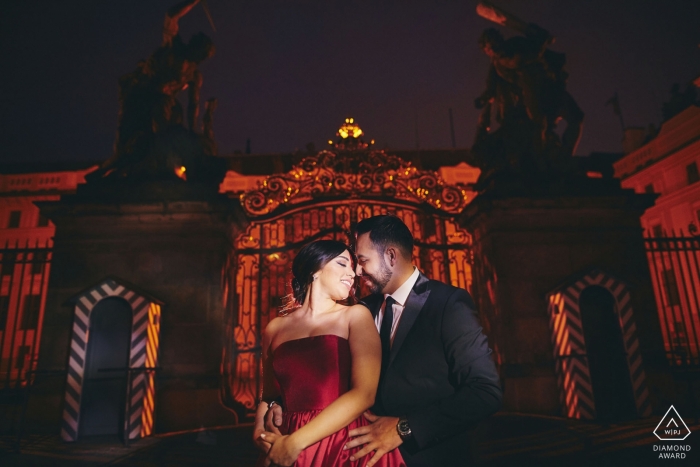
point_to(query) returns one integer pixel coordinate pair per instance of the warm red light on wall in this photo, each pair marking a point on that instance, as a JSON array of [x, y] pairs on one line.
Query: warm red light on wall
[[592, 174]]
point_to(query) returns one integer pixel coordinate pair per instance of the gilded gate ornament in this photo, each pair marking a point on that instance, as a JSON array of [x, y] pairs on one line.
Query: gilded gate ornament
[[354, 174]]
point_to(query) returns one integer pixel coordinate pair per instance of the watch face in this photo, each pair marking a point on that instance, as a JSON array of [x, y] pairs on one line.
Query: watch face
[[404, 428]]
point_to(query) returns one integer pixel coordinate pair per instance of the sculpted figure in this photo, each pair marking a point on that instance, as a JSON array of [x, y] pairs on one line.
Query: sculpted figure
[[525, 73], [208, 124], [173, 67], [148, 97]]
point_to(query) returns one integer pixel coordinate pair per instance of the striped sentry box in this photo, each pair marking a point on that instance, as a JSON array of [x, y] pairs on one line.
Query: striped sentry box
[[145, 334], [576, 391]]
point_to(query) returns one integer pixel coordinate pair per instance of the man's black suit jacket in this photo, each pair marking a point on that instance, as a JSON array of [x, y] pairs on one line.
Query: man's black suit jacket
[[440, 374]]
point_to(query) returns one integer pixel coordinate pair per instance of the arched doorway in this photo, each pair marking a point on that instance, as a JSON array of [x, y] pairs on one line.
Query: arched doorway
[[143, 345], [606, 355], [105, 384], [573, 339]]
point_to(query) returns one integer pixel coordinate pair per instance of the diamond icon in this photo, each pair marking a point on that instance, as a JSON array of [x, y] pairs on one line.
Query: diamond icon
[[671, 427]]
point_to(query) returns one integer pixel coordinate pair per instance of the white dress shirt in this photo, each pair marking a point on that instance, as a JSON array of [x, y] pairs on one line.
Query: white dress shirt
[[400, 296]]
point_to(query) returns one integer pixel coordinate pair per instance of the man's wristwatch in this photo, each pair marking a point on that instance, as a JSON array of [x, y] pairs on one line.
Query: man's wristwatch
[[403, 429]]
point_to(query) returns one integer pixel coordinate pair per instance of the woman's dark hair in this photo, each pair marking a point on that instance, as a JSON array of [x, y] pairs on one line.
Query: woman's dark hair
[[310, 259], [387, 230]]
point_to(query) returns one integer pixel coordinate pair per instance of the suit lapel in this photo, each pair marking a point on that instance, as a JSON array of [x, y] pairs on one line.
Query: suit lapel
[[414, 304]]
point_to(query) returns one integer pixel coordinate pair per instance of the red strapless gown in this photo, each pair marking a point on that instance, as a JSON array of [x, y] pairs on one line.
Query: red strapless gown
[[312, 372]]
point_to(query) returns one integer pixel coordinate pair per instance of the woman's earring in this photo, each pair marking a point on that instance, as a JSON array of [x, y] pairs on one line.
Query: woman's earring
[[315, 277]]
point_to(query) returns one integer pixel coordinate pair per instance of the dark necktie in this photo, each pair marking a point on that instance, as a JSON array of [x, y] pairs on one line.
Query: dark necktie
[[385, 331]]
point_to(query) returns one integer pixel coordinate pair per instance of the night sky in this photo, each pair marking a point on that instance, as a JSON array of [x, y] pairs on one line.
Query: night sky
[[287, 73]]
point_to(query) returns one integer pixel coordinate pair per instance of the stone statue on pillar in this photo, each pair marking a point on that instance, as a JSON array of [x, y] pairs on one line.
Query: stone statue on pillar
[[156, 136], [526, 97]]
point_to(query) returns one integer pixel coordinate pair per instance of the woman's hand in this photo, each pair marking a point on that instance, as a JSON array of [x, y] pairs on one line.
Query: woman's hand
[[284, 451], [266, 419], [261, 444]]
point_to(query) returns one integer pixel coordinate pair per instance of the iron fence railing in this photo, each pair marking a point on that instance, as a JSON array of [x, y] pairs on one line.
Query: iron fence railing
[[674, 263], [24, 274]]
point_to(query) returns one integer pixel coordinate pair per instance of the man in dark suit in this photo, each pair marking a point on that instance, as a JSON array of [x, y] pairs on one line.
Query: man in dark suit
[[438, 379]]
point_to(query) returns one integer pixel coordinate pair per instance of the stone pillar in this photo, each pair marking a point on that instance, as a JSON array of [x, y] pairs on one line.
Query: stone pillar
[[169, 239], [525, 245]]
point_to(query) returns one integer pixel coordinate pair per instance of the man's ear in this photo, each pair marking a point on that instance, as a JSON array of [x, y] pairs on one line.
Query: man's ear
[[391, 254]]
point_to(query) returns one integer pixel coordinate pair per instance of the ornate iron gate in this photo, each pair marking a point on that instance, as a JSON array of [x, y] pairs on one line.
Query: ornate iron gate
[[674, 263], [24, 273], [323, 198]]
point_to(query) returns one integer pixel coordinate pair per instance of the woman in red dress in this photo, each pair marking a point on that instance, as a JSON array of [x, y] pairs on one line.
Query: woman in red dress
[[322, 360]]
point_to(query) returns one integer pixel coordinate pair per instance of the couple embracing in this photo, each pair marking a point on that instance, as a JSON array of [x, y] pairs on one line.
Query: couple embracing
[[413, 352]]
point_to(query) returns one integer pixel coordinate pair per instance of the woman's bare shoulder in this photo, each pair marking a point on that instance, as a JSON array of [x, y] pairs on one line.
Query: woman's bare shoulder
[[358, 312], [275, 325], [358, 308]]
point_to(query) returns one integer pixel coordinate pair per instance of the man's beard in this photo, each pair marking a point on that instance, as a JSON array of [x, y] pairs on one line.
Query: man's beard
[[378, 282]]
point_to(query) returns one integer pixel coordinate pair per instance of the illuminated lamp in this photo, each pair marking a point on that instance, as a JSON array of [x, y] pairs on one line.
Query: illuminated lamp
[[180, 172], [350, 128]]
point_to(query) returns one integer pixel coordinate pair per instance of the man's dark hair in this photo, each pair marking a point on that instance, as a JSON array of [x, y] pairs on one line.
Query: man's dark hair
[[387, 230]]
